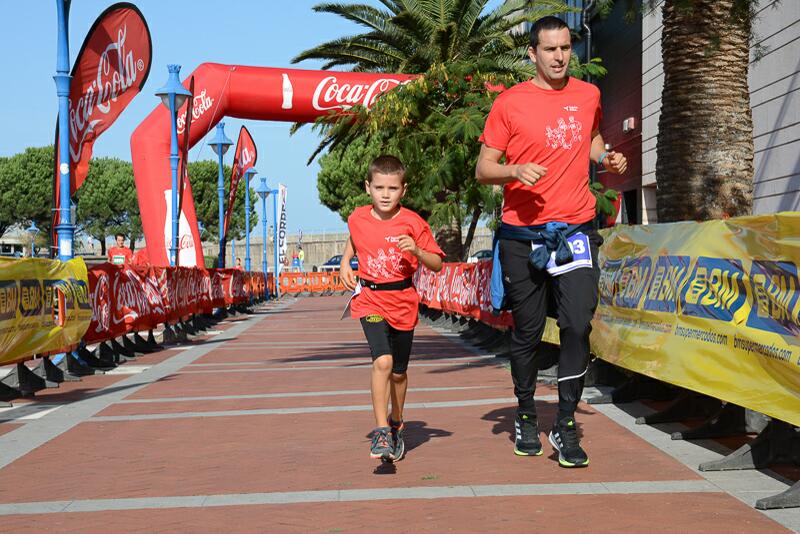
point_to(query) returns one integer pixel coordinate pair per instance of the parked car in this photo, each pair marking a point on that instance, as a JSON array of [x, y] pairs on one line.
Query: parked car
[[481, 255], [333, 263]]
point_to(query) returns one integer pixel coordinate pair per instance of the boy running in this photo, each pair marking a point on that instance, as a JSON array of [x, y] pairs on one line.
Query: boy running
[[391, 242]]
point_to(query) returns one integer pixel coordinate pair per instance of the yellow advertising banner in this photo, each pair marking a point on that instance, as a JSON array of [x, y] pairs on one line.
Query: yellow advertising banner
[[713, 307], [44, 306]]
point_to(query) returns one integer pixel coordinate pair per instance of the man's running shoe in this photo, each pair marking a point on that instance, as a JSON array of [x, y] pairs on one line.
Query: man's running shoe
[[527, 442], [564, 437], [382, 444], [398, 428]]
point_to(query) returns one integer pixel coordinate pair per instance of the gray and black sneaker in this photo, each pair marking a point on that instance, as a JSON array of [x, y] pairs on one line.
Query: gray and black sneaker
[[398, 428], [527, 442], [382, 444], [564, 437]]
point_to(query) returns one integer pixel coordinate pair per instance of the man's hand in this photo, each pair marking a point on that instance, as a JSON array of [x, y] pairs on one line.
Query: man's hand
[[528, 173], [406, 244], [347, 276], [615, 162]]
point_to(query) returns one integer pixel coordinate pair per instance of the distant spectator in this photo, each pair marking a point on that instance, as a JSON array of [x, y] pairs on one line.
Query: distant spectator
[[301, 256], [120, 254], [239, 264], [295, 261]]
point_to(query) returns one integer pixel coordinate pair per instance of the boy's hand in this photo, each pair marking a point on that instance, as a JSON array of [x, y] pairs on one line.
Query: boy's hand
[[406, 244], [615, 162], [347, 276]]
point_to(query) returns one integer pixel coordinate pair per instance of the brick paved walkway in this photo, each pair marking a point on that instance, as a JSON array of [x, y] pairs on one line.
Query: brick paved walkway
[[261, 426]]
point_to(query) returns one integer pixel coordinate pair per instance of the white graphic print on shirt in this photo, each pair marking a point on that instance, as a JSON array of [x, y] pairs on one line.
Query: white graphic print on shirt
[[387, 264], [567, 134]]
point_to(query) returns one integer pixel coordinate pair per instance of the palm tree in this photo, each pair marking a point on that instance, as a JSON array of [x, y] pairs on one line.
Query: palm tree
[[705, 132], [410, 36]]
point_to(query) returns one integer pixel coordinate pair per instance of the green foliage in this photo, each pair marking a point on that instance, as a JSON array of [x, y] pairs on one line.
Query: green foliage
[[107, 202], [203, 177], [26, 189], [604, 199]]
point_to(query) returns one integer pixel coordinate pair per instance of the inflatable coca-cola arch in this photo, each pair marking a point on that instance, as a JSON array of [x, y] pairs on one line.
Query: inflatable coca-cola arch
[[259, 93]]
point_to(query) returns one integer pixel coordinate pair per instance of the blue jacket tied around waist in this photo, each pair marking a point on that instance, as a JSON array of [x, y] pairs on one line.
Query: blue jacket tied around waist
[[553, 238]]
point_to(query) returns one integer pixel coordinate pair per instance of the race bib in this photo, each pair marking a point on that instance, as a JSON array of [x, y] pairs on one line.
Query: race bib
[[118, 259], [581, 255]]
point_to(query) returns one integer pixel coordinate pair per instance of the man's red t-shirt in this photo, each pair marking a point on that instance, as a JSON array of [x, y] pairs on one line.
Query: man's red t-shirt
[[120, 255], [381, 261], [552, 128]]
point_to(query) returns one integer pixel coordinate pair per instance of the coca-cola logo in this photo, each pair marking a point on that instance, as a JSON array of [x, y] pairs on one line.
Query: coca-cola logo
[[185, 242], [247, 157], [330, 94], [101, 303], [129, 297], [117, 71], [200, 104]]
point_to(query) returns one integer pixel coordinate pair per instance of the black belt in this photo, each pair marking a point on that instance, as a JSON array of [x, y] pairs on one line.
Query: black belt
[[388, 286]]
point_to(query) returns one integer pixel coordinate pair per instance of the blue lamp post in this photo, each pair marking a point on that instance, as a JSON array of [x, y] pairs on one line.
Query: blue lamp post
[[248, 175], [32, 230], [173, 95], [220, 144], [263, 192], [64, 229]]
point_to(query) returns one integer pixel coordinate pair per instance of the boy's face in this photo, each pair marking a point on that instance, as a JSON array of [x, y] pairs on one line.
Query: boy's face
[[386, 190], [120, 241]]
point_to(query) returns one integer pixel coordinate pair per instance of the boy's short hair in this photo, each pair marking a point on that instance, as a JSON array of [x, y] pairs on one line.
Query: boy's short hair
[[386, 164], [119, 235], [545, 23]]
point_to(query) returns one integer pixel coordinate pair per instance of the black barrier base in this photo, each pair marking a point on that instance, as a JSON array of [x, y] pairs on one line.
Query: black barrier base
[[635, 388], [8, 393], [24, 380], [106, 357], [788, 499], [152, 343], [688, 405], [141, 344], [199, 323], [52, 373], [130, 346], [180, 333], [187, 327], [728, 421], [121, 351], [169, 335], [74, 366], [778, 443]]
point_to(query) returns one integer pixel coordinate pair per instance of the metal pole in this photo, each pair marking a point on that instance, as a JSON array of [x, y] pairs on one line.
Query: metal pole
[[247, 223], [173, 166], [221, 200], [62, 78], [274, 194]]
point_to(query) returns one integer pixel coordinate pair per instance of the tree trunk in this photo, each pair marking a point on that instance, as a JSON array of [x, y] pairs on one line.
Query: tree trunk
[[705, 132], [449, 239], [103, 246], [473, 224]]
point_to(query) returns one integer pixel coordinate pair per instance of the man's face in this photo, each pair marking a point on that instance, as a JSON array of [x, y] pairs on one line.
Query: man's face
[[552, 54], [120, 241], [386, 190]]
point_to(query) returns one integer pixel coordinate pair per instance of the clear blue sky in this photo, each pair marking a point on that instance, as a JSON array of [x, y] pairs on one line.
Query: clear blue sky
[[245, 32]]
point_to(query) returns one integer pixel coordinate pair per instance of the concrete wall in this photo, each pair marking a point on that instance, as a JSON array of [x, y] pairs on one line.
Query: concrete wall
[[774, 83]]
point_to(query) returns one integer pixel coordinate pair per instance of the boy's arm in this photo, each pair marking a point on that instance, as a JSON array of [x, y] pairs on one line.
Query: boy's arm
[[345, 271], [429, 259]]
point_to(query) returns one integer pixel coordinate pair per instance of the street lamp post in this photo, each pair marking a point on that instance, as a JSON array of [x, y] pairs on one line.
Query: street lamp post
[[263, 192], [64, 229], [173, 95], [248, 175], [32, 230], [220, 144]]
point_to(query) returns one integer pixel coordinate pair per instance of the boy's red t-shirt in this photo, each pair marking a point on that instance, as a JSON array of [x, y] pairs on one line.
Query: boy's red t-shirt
[[381, 261], [552, 128]]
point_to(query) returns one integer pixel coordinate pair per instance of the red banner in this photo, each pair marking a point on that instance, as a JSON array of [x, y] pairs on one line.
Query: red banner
[[257, 93], [244, 158], [463, 289], [109, 71]]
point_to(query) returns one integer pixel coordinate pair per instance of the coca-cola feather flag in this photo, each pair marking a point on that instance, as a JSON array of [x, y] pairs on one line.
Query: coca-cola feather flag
[[109, 71], [244, 158]]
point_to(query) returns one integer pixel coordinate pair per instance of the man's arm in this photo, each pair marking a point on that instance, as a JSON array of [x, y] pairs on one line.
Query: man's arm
[[612, 161], [345, 271], [490, 171]]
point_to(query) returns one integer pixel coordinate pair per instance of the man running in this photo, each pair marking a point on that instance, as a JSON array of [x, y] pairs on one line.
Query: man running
[[548, 128]]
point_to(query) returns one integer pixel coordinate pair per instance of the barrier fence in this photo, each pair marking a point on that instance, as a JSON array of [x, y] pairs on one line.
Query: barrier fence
[[50, 306]]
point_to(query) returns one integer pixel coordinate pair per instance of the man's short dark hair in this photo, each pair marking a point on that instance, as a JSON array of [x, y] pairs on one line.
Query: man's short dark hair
[[386, 164], [545, 23], [119, 235]]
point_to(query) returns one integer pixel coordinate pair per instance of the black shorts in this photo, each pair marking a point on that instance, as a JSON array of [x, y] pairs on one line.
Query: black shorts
[[384, 339]]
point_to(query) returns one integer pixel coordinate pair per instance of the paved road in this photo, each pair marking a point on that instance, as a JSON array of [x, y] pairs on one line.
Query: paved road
[[262, 426]]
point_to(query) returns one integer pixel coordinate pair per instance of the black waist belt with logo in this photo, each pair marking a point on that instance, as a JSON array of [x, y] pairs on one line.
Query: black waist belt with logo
[[388, 286]]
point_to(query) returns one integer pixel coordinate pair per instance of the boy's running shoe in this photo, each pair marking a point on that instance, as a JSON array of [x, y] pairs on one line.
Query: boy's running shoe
[[564, 437], [382, 444], [398, 428], [527, 442]]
